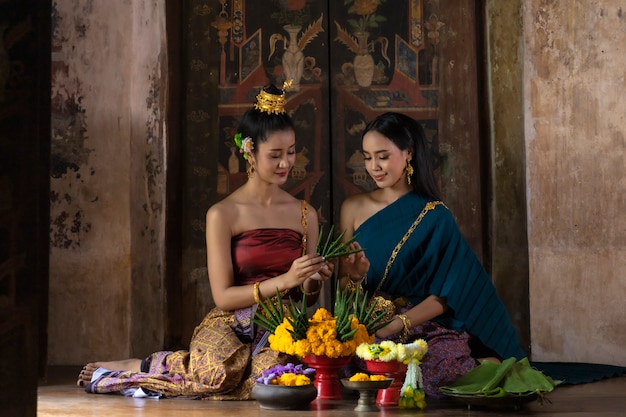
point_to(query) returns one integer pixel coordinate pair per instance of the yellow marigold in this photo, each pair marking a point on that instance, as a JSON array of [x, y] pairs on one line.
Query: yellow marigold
[[302, 348], [292, 380], [361, 335], [281, 340], [322, 315], [360, 376], [365, 7], [321, 337]]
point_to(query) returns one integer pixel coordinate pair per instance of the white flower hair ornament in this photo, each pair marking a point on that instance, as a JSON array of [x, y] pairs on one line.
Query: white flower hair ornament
[[245, 145]]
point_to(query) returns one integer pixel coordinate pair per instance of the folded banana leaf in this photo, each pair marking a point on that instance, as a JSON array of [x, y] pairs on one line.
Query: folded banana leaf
[[490, 379], [522, 379]]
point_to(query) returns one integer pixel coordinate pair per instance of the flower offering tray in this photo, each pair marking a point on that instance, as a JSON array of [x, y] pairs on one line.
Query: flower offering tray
[[281, 397], [367, 392]]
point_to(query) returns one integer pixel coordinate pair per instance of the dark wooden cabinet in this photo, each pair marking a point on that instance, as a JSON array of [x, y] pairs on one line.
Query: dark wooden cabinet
[[24, 196]]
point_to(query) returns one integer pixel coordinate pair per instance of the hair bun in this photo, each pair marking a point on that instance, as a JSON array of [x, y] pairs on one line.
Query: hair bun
[[271, 99]]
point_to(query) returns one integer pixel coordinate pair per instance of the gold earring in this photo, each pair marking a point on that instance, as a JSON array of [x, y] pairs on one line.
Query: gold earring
[[409, 171], [250, 171]]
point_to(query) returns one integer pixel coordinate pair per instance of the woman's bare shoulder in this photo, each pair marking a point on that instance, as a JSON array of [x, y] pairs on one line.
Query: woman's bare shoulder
[[358, 200], [359, 207], [223, 211], [312, 215]]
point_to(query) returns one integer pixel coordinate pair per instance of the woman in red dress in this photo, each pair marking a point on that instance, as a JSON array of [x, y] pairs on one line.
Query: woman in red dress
[[260, 240]]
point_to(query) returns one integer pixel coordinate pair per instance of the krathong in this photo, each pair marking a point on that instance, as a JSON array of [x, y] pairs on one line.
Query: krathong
[[412, 391], [332, 334]]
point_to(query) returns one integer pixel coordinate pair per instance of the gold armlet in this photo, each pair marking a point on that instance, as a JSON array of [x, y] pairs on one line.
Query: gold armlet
[[257, 292], [315, 292]]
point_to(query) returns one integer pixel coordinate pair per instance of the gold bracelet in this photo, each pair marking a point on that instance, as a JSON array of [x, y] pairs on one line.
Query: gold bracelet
[[406, 323], [352, 285], [317, 291], [257, 292]]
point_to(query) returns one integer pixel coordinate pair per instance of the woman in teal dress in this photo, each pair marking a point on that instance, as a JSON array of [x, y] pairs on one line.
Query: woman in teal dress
[[416, 259]]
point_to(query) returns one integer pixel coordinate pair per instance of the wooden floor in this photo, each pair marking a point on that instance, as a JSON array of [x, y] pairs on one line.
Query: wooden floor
[[59, 396]]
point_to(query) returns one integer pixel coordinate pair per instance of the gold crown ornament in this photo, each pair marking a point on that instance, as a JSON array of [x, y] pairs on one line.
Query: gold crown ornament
[[272, 103]]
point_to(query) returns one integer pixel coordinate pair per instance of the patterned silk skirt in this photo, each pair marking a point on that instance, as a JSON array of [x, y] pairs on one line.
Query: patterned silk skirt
[[219, 364]]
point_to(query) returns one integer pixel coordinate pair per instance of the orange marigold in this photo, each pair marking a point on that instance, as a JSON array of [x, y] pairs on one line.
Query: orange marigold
[[360, 376]]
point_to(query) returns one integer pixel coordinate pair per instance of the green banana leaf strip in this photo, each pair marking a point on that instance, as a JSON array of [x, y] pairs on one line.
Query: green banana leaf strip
[[321, 248], [341, 253], [334, 245]]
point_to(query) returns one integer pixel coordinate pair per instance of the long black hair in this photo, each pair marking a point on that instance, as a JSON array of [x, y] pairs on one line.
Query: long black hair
[[407, 134], [259, 125]]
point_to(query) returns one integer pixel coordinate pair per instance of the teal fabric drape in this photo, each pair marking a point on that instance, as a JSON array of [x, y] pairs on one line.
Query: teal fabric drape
[[437, 260]]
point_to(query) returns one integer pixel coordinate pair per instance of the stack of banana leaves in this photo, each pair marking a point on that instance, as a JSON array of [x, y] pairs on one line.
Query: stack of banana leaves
[[509, 378]]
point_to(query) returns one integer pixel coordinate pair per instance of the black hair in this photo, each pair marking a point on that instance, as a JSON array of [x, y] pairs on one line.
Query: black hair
[[408, 134], [259, 125]]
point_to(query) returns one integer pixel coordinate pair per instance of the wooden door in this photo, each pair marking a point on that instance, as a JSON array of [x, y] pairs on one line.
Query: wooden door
[[423, 56], [424, 65]]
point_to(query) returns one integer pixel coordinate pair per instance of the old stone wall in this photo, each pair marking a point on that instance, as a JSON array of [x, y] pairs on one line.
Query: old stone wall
[[575, 129], [507, 179], [107, 176]]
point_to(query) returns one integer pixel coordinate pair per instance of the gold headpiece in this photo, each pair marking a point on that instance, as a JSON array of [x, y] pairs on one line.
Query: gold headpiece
[[272, 103]]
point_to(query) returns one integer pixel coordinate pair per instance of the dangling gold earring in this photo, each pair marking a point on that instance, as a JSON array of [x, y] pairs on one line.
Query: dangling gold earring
[[409, 171], [250, 171]]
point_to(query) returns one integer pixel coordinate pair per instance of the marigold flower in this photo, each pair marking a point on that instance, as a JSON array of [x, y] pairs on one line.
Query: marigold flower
[[360, 376], [293, 380], [319, 336]]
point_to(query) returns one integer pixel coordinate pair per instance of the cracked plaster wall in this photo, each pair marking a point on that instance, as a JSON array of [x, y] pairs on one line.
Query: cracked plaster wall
[[107, 176], [575, 128]]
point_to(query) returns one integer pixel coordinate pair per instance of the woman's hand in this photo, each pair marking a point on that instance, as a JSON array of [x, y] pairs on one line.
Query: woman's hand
[[428, 309], [394, 326], [326, 272], [306, 267], [355, 264]]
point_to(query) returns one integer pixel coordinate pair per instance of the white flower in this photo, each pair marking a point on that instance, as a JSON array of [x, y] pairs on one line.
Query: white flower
[[363, 351], [247, 145], [390, 351]]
